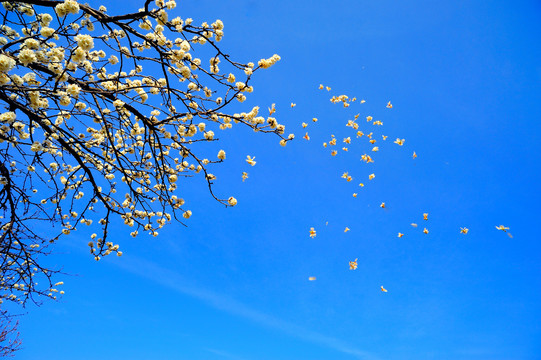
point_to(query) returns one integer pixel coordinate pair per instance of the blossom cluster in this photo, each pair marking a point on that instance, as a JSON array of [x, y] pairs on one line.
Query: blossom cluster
[[102, 122]]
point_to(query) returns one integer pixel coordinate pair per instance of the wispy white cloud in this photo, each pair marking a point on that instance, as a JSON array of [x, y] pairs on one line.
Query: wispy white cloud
[[224, 354], [174, 281]]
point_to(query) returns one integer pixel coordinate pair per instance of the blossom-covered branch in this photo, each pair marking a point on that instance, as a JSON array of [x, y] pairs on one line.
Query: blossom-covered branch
[[101, 118]]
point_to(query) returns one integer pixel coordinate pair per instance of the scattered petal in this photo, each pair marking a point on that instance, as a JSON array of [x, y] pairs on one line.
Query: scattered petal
[[250, 160], [272, 109]]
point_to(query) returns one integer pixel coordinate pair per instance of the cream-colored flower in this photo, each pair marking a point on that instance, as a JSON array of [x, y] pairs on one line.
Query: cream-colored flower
[[6, 63], [266, 63], [85, 42], [27, 56]]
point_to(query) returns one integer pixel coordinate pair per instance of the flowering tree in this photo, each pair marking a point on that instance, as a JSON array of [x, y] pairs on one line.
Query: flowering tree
[[100, 118]]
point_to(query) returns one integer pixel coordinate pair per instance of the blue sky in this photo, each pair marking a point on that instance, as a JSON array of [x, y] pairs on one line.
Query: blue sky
[[464, 80]]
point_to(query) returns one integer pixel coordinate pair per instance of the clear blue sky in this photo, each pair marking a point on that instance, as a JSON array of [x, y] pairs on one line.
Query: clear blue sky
[[464, 79]]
